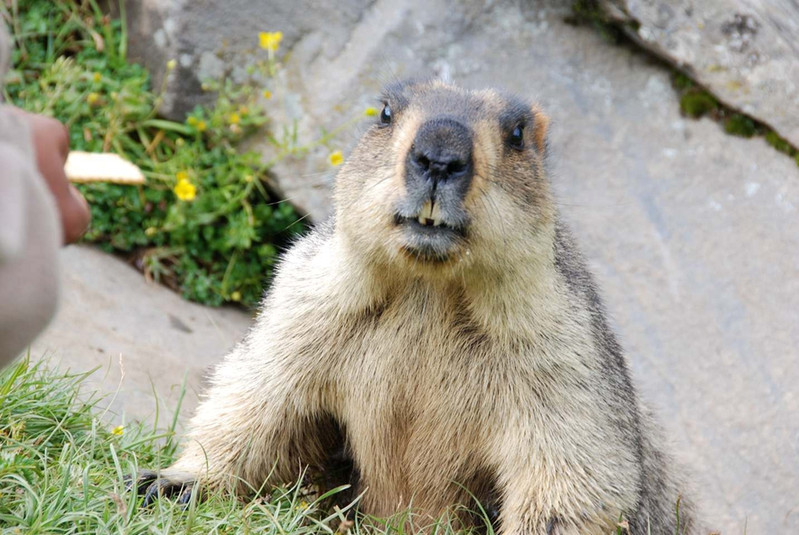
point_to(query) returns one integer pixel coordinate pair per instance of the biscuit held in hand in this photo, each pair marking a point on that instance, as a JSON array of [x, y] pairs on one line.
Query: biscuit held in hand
[[84, 167]]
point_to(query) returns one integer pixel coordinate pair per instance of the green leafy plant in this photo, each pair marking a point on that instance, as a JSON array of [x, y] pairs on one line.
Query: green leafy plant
[[205, 223]]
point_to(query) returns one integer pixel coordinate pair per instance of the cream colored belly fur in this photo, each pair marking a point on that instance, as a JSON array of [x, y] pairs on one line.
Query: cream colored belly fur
[[432, 399]]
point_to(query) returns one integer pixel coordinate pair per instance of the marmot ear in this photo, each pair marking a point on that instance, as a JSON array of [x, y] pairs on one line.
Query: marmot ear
[[540, 129]]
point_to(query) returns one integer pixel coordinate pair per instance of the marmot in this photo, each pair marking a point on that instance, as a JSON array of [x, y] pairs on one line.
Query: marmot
[[443, 331]]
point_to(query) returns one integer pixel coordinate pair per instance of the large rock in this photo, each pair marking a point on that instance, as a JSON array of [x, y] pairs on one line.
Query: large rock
[[206, 38], [746, 52], [143, 338], [692, 233]]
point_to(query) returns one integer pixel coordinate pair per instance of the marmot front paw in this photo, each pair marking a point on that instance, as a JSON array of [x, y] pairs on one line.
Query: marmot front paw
[[153, 485]]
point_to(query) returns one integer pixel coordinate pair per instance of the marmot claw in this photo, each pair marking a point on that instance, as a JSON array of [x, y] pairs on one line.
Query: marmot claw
[[155, 485]]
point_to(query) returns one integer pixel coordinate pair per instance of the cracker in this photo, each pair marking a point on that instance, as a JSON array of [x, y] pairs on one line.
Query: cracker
[[101, 167]]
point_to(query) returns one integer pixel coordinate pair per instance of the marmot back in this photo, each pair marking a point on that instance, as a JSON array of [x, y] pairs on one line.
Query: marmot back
[[443, 334]]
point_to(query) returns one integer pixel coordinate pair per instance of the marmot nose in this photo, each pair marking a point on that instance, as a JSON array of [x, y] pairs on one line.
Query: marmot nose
[[442, 150]]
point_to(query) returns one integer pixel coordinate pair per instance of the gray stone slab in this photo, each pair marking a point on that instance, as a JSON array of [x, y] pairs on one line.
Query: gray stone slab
[[208, 38], [143, 338], [746, 52]]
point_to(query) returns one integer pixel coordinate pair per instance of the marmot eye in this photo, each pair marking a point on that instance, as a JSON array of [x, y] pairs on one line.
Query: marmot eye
[[517, 137], [385, 115]]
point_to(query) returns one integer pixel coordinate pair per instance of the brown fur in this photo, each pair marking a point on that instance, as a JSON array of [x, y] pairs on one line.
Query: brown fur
[[490, 371]]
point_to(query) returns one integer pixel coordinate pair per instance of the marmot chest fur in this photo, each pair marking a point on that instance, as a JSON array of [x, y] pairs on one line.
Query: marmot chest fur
[[443, 333]]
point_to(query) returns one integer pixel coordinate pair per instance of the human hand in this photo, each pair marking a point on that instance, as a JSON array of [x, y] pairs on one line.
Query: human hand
[[51, 141]]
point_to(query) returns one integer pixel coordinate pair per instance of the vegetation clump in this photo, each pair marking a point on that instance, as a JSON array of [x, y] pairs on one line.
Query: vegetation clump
[[205, 223], [589, 13], [738, 124], [698, 103]]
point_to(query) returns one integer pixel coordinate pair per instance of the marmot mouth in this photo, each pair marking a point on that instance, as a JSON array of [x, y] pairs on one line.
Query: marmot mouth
[[429, 220], [429, 237], [429, 227]]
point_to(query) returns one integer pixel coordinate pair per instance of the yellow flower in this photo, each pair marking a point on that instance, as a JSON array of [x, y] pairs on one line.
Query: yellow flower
[[192, 121], [336, 158], [234, 118], [92, 98], [118, 430], [201, 126], [270, 40], [370, 111], [185, 190], [267, 94], [235, 296], [97, 77], [171, 64]]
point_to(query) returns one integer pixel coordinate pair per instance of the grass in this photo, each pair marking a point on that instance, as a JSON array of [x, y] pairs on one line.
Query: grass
[[63, 470]]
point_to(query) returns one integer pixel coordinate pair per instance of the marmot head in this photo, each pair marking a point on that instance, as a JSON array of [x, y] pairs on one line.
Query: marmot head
[[446, 179]]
